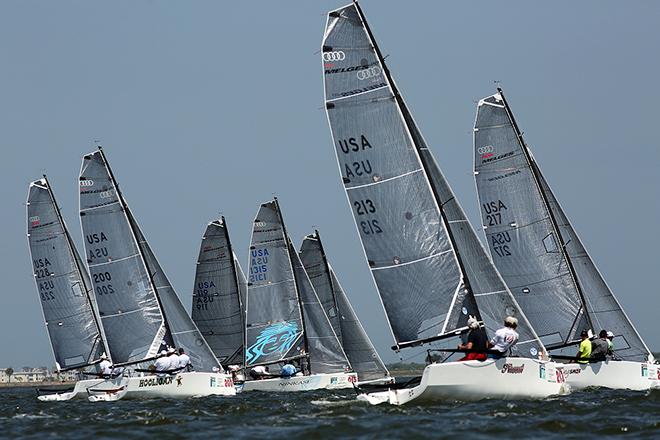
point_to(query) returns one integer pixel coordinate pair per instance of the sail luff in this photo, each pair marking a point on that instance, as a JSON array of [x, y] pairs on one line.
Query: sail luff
[[332, 286], [553, 220]]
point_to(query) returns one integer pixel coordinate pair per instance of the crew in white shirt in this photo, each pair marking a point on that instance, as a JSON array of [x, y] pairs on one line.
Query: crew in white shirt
[[162, 363], [504, 338], [184, 360], [105, 365], [174, 359]]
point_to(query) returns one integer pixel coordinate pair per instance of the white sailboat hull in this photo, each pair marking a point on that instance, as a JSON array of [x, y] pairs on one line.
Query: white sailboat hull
[[79, 391], [506, 378], [618, 375], [182, 385], [334, 381]]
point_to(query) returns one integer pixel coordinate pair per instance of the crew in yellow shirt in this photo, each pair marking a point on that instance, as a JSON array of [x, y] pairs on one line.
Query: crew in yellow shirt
[[584, 353]]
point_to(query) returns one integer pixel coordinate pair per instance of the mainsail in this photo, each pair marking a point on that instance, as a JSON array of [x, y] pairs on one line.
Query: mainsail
[[274, 323], [429, 267], [356, 344], [533, 243], [138, 306], [217, 306], [63, 284]]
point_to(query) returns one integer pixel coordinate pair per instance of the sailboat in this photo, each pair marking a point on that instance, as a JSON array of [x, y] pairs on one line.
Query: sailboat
[[428, 265], [285, 321], [138, 307], [542, 259], [219, 296], [65, 292], [356, 343]]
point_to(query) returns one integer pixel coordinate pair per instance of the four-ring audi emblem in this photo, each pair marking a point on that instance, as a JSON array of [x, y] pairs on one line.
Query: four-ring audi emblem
[[486, 149], [88, 182], [334, 56], [371, 72]]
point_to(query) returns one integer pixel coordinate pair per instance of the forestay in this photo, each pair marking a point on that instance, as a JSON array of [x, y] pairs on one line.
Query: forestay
[[128, 307], [356, 344], [217, 299], [430, 269], [274, 328], [62, 282], [533, 244]]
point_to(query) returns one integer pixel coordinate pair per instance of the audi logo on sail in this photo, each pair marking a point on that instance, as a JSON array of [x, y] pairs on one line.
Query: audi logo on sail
[[371, 72], [334, 56], [88, 182], [486, 149]]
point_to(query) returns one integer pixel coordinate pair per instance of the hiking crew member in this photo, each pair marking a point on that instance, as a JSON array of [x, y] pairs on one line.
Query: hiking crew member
[[610, 344], [173, 358], [105, 365], [584, 353], [504, 338], [184, 360], [288, 370], [476, 340], [162, 363], [599, 347]]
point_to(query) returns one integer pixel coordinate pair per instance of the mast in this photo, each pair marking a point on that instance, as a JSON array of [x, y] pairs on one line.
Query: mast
[[129, 217], [434, 191], [80, 270], [302, 315], [546, 203], [238, 284], [327, 267]]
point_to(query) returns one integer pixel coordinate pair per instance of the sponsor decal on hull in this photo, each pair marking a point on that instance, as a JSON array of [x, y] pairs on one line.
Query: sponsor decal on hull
[[155, 381], [510, 369]]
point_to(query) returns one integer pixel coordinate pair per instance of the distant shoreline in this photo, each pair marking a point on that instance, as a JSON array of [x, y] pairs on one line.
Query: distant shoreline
[[35, 384]]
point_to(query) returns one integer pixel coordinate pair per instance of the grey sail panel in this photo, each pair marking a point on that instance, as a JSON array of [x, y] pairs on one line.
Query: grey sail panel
[[128, 307], [183, 331], [325, 352], [602, 306], [400, 225], [488, 292], [313, 259], [217, 307], [63, 286], [519, 229], [358, 347], [274, 328]]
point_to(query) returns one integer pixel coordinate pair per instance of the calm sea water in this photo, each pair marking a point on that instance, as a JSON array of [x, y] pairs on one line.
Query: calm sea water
[[599, 413]]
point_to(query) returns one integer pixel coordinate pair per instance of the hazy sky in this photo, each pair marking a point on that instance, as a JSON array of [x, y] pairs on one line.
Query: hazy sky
[[208, 107]]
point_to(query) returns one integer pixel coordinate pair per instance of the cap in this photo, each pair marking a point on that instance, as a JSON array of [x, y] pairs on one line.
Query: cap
[[171, 350], [584, 333], [610, 334], [163, 353]]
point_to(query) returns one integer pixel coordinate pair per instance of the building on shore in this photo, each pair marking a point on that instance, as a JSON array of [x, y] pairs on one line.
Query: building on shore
[[40, 374]]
